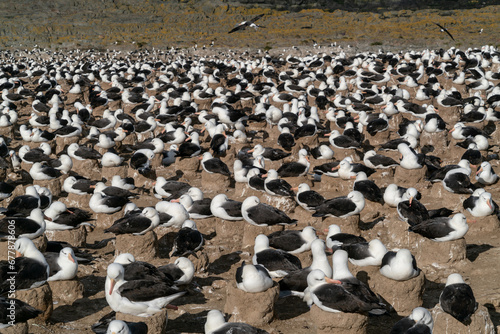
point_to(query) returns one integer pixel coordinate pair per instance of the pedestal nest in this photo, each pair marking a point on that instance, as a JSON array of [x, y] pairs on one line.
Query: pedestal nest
[[157, 323], [256, 309], [142, 247], [345, 323]]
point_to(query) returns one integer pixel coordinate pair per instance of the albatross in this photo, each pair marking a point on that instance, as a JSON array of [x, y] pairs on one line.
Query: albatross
[[458, 299], [63, 265], [136, 223], [30, 265], [293, 241], [399, 266], [343, 206], [442, 228], [142, 298], [419, 321], [261, 214], [245, 24], [277, 262], [296, 282], [253, 278]]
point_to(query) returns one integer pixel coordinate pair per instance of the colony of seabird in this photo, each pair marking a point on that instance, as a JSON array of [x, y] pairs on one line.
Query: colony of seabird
[[136, 135]]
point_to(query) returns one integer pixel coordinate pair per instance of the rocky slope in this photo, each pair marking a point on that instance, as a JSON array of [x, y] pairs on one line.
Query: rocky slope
[[156, 23]]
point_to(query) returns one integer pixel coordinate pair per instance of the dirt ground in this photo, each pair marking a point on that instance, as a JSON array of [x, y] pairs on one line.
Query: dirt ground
[[225, 253]]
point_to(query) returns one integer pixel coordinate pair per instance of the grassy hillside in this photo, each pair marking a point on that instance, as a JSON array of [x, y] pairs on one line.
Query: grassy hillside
[[155, 23]]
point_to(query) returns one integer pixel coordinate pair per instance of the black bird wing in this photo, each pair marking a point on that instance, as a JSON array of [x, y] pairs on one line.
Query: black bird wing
[[36, 156], [233, 208], [141, 270], [172, 271], [280, 187], [52, 172], [138, 160], [273, 259], [88, 152], [462, 181], [444, 29], [22, 311], [146, 290], [337, 207], [361, 291], [346, 239], [414, 213], [137, 327], [387, 259], [187, 240], [369, 190], [440, 173], [275, 154], [29, 271], [243, 25], [336, 297], [285, 240], [176, 188], [470, 202], [403, 325], [188, 149], [357, 251], [217, 166], [295, 281], [311, 198], [135, 223], [239, 273], [346, 141], [21, 226], [218, 140], [77, 215], [433, 228], [256, 18], [382, 160], [27, 202], [239, 27], [358, 167], [114, 201], [84, 185], [272, 215], [459, 301], [51, 258], [326, 167], [291, 169], [117, 191]]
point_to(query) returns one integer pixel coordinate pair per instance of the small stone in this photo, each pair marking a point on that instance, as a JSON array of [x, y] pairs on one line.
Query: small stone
[[219, 284]]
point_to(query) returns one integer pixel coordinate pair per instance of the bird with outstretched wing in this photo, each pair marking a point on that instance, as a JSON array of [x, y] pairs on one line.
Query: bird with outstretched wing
[[251, 23], [444, 29]]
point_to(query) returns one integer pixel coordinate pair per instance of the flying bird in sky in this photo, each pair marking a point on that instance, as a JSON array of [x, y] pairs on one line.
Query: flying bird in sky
[[243, 25], [444, 29]]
